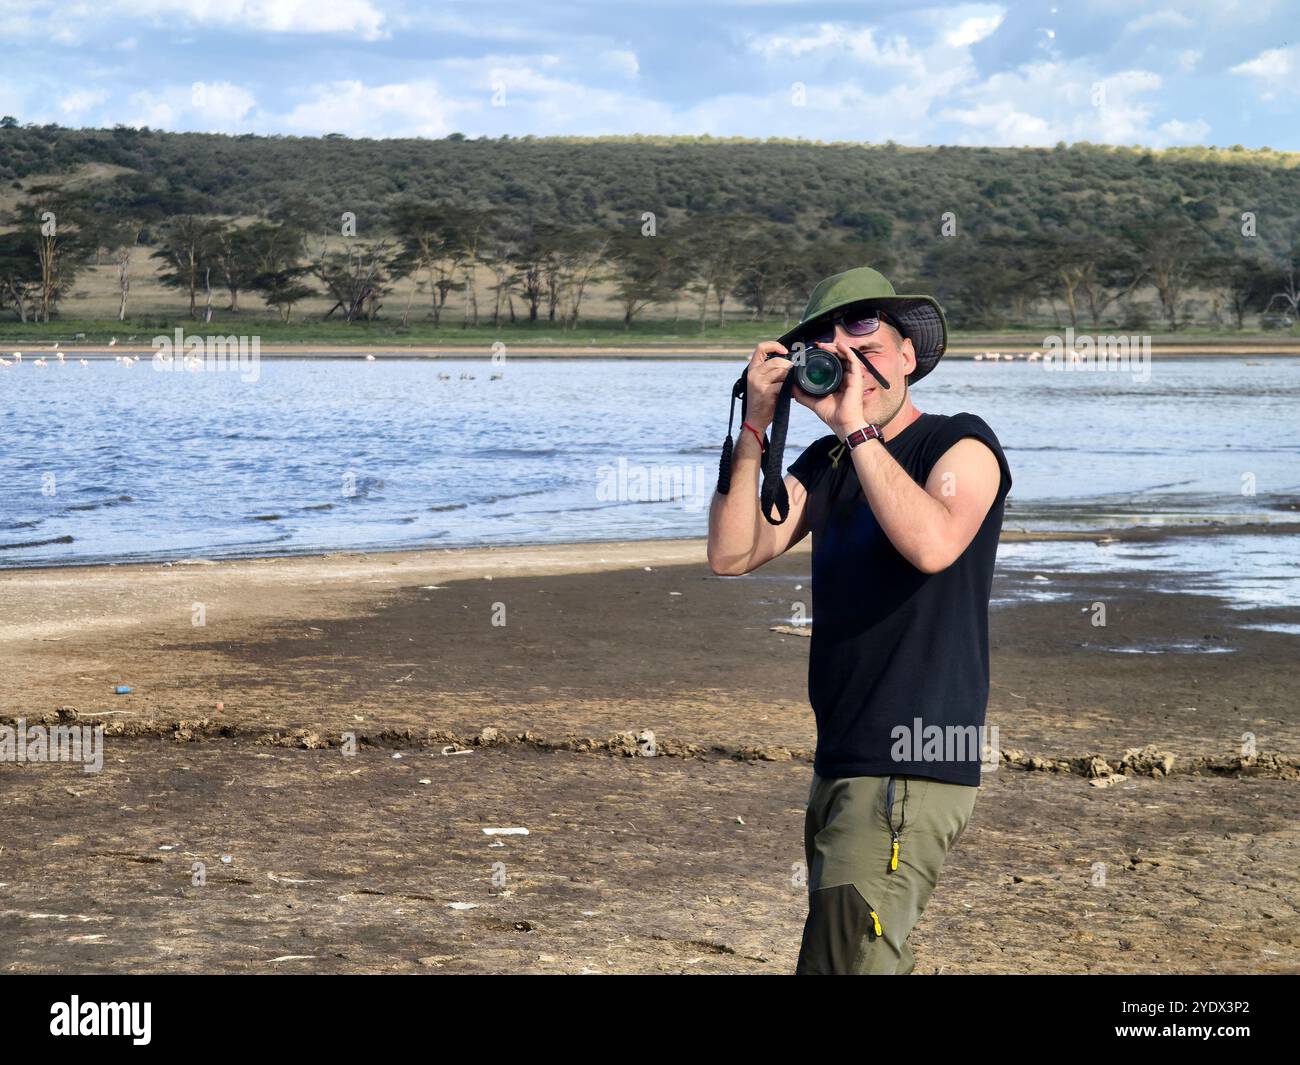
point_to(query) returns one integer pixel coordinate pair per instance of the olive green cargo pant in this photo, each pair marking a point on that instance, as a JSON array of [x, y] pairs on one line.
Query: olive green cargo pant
[[863, 897]]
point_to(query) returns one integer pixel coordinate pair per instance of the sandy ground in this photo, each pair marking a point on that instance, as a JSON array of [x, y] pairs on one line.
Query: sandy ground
[[375, 860]]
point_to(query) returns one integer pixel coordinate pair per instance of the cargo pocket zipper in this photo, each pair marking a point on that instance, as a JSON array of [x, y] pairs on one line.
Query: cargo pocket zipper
[[894, 832]]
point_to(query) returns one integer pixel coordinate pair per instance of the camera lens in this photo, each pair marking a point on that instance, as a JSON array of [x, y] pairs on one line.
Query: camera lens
[[820, 374]]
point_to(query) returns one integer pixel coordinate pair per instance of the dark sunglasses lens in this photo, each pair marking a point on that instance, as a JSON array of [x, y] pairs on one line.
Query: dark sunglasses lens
[[861, 326]]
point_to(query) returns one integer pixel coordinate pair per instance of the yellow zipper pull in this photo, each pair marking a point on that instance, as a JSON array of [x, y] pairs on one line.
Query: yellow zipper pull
[[893, 858], [875, 921]]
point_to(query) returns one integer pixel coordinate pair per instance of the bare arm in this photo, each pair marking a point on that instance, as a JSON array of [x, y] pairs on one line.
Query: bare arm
[[932, 525], [740, 538]]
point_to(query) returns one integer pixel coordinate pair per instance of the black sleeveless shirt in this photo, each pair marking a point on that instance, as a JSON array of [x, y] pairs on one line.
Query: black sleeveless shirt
[[898, 671]]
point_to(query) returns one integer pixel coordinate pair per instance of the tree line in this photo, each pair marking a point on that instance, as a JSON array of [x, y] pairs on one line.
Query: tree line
[[466, 232]]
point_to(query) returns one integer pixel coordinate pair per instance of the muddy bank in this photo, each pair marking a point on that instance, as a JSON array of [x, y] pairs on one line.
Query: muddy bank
[[380, 864], [231, 744]]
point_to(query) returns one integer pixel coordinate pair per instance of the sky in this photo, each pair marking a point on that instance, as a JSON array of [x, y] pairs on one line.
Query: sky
[[1108, 71]]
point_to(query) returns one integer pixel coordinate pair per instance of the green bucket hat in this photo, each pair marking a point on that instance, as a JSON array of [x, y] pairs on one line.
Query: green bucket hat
[[919, 318]]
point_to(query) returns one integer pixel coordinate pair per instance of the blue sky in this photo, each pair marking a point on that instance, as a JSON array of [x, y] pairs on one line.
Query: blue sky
[[1129, 72]]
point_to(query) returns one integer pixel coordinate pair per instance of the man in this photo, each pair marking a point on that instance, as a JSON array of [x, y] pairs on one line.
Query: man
[[905, 509]]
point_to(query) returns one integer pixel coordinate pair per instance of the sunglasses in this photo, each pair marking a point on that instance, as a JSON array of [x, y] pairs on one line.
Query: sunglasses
[[856, 322]]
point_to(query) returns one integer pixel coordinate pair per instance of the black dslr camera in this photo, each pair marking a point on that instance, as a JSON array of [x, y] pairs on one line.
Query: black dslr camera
[[817, 371]]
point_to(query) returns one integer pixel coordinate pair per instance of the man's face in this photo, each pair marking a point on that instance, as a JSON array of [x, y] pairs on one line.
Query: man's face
[[892, 357]]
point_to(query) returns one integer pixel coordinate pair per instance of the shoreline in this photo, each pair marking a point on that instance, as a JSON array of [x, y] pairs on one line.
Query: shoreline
[[669, 550]]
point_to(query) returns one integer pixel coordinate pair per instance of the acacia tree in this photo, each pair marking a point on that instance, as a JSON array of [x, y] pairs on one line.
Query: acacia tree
[[429, 248], [581, 254], [467, 229], [121, 211], [982, 281], [275, 253], [763, 273], [1065, 263], [717, 247], [188, 254], [60, 238], [355, 277], [20, 274], [499, 256], [1243, 284], [538, 260], [642, 267], [1286, 278], [283, 289], [1172, 253]]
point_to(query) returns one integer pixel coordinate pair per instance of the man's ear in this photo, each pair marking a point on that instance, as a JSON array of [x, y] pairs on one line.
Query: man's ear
[[909, 356]]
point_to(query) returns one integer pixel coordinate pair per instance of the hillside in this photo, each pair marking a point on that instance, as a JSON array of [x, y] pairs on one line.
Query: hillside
[[1032, 234]]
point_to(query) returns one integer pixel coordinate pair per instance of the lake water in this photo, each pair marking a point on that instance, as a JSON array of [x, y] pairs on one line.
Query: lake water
[[105, 463]]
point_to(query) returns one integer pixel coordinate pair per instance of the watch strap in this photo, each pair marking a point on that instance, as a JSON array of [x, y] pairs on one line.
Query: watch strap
[[861, 436]]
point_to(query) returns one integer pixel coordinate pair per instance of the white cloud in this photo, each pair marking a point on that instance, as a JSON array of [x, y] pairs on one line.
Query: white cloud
[[939, 88], [80, 101], [857, 42], [213, 106], [411, 109], [1176, 132], [220, 102], [1045, 102], [974, 29], [1162, 20], [622, 61], [358, 17], [1274, 69]]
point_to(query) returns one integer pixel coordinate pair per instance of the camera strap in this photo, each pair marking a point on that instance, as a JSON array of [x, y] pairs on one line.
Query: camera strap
[[773, 491]]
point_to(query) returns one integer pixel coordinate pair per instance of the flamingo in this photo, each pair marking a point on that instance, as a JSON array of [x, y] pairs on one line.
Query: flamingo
[[39, 362], [113, 343], [83, 362], [60, 358], [370, 358], [444, 377]]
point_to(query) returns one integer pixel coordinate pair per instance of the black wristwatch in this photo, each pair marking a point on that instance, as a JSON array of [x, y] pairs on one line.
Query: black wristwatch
[[861, 436]]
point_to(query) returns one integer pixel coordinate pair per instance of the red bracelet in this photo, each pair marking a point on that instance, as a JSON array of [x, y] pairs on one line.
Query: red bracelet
[[757, 435]]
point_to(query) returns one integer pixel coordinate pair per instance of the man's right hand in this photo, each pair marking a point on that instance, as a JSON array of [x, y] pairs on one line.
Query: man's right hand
[[763, 383]]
